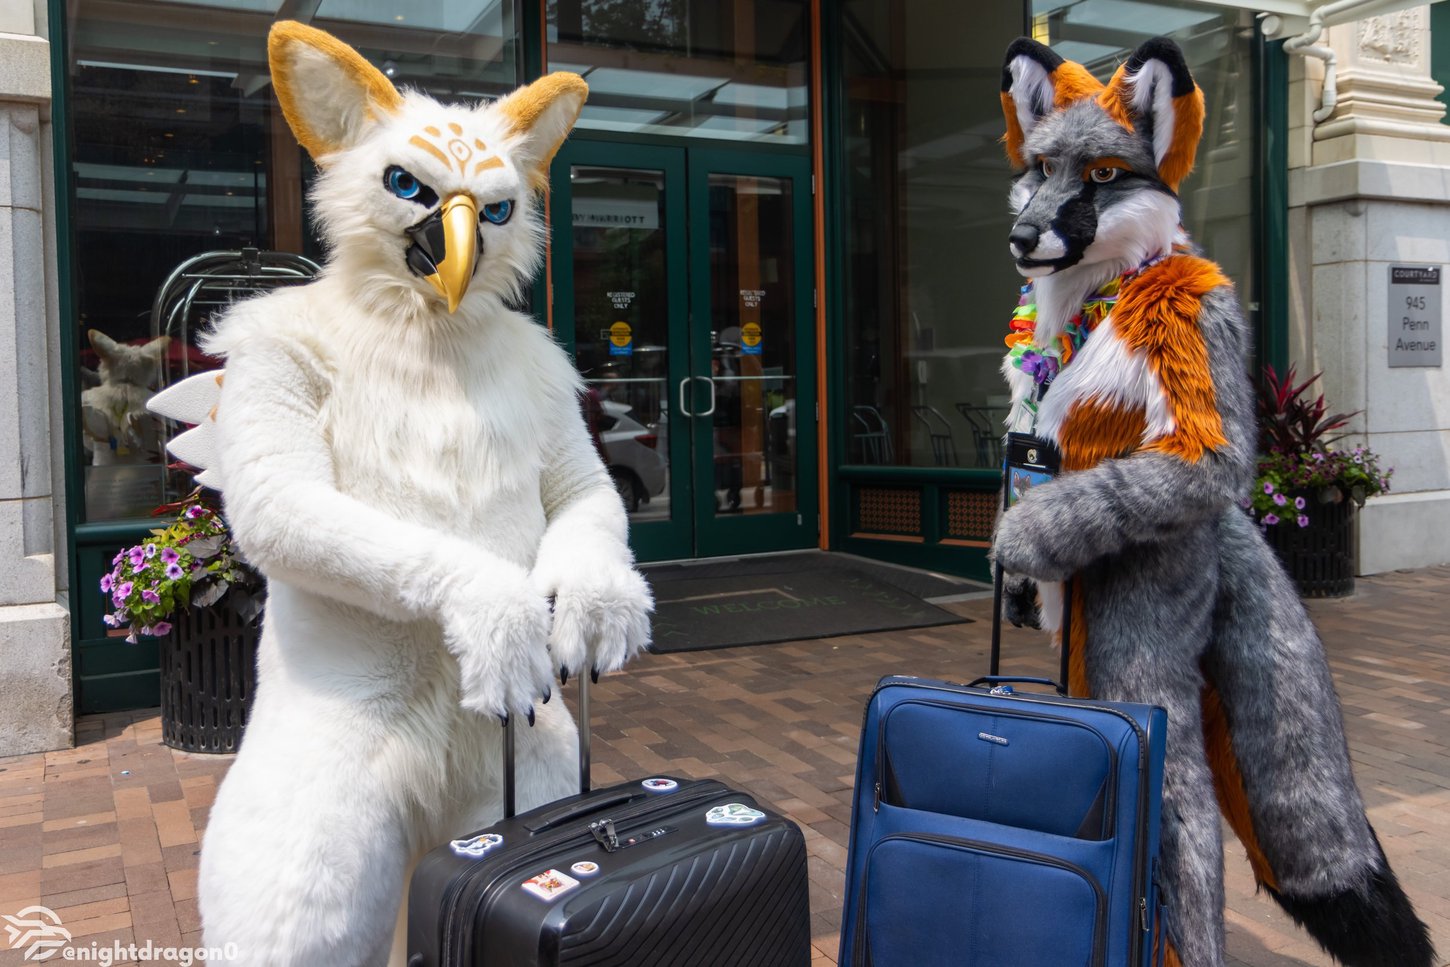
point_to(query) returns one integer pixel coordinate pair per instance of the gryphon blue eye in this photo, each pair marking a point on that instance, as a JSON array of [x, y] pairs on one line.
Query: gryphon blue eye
[[498, 212], [402, 183]]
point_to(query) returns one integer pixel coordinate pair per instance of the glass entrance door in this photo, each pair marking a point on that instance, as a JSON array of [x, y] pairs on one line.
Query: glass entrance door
[[682, 286]]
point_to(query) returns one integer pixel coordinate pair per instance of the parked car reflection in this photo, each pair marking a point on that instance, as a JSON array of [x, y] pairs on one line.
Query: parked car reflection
[[633, 454]]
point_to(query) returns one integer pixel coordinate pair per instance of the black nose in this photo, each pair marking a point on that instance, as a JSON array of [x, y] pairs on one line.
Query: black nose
[[1023, 239]]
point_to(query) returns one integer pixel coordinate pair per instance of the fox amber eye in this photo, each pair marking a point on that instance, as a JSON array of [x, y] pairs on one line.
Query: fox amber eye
[[498, 212], [1047, 168], [401, 183], [1105, 174]]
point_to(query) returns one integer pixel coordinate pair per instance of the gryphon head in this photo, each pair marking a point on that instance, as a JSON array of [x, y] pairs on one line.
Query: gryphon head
[[422, 204], [1100, 165]]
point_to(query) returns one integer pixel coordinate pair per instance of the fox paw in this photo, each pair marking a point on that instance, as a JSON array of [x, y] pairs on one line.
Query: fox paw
[[601, 618], [1019, 601], [498, 631]]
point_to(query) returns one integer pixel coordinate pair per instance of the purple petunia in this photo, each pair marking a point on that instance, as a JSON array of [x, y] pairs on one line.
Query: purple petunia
[[117, 559], [1298, 503], [110, 620], [124, 591], [195, 511], [1318, 458], [1271, 519], [150, 597], [161, 628], [136, 555], [1280, 500], [107, 582], [1303, 521], [150, 551], [1268, 487], [139, 568], [174, 571], [169, 555]]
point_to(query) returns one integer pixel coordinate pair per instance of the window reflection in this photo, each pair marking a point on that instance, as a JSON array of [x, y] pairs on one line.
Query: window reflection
[[733, 70], [179, 149]]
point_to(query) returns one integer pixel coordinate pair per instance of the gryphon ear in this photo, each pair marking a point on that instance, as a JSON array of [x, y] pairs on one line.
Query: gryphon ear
[[1156, 92], [1035, 82], [329, 93], [540, 116]]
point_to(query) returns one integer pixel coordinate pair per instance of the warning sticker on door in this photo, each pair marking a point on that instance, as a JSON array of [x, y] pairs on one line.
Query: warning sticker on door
[[750, 339], [621, 339], [550, 884]]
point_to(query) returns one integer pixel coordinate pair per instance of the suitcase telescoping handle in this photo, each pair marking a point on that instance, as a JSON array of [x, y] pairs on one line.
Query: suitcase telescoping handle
[[510, 795], [994, 662]]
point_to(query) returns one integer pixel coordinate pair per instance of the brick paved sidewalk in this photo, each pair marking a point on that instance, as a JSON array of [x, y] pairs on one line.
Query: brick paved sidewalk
[[106, 834]]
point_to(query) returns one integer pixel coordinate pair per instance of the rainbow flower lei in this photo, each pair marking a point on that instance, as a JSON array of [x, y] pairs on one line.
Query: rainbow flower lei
[[1043, 363]]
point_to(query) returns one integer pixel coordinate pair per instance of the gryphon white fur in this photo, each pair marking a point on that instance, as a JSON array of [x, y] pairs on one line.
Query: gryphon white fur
[[415, 484]]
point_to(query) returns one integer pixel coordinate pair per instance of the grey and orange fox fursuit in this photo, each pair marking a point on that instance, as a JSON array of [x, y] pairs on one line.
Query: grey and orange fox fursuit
[[1177, 599]]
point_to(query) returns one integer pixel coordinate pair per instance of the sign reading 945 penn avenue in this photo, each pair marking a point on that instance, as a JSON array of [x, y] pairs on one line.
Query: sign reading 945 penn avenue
[[1414, 316]]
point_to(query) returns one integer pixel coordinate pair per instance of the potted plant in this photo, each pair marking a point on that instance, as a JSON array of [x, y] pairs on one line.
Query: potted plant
[[190, 587], [1307, 489]]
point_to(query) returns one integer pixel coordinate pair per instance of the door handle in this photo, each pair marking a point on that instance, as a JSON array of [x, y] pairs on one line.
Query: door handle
[[711, 383], [685, 410]]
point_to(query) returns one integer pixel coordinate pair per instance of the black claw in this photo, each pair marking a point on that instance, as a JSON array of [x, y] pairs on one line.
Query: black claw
[[594, 675], [563, 675], [531, 716], [503, 720], [548, 694]]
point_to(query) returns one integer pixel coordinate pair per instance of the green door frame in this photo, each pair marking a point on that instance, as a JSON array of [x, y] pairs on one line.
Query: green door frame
[[693, 529], [651, 540], [755, 533]]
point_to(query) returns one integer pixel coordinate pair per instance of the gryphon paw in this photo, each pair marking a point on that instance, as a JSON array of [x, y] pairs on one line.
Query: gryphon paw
[[601, 620], [499, 637]]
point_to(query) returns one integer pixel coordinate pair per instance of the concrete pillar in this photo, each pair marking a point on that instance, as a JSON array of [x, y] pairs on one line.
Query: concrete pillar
[[1369, 188], [35, 656]]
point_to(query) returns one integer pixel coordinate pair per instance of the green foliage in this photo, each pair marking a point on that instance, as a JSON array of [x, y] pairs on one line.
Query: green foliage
[[1298, 469]]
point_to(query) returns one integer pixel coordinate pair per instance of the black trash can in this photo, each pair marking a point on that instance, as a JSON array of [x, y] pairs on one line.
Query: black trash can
[[1320, 558], [208, 674]]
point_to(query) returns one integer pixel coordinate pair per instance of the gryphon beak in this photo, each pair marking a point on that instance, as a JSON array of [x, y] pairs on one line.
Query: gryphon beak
[[445, 247]]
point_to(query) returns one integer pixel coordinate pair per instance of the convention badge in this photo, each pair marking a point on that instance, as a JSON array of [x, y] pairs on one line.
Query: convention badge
[[660, 785], [1030, 461], [550, 884], [584, 868], [734, 814], [476, 846]]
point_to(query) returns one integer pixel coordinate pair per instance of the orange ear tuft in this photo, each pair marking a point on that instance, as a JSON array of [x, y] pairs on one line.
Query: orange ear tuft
[[1072, 82], [543, 113], [1154, 86], [328, 91]]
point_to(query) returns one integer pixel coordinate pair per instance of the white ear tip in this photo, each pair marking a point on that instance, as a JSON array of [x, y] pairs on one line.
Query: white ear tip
[[196, 446], [210, 478]]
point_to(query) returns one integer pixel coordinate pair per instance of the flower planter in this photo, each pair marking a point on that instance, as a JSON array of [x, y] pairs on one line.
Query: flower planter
[[208, 674], [1320, 557]]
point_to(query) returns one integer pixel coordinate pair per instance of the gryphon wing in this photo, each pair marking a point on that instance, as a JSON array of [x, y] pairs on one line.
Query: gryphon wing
[[194, 401]]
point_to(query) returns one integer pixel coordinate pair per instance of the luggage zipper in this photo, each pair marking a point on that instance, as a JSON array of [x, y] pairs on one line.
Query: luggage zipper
[[859, 956], [553, 840]]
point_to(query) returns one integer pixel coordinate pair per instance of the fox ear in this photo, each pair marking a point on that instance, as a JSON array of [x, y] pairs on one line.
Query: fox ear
[[1035, 82], [541, 115], [329, 93], [1155, 91]]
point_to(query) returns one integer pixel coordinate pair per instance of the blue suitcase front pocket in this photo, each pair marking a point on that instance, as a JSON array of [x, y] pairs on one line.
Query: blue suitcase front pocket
[[942, 900], [1033, 771]]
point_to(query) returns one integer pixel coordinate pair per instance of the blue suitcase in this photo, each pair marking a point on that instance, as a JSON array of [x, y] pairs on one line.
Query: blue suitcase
[[1002, 830]]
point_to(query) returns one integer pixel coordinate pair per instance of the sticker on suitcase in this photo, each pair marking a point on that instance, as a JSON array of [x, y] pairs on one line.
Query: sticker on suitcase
[[734, 814], [550, 884], [476, 846], [584, 868], [660, 785]]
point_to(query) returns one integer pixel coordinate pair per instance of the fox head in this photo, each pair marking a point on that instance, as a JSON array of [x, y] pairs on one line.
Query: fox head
[[421, 203], [1100, 165]]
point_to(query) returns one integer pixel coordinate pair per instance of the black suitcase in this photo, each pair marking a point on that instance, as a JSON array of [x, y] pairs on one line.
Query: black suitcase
[[665, 871]]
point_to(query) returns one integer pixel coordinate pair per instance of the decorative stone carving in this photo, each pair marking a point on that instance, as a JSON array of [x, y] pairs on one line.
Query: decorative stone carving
[[1394, 38]]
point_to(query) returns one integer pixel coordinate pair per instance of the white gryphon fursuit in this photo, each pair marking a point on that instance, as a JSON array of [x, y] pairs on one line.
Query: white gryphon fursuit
[[1176, 598], [405, 460]]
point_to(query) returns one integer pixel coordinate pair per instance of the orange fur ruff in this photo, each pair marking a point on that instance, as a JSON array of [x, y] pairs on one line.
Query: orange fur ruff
[[1157, 313]]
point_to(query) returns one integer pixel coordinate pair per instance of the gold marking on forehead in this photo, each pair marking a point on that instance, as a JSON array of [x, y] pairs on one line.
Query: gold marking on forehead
[[455, 127], [433, 131], [492, 161], [479, 145], [461, 153], [429, 147]]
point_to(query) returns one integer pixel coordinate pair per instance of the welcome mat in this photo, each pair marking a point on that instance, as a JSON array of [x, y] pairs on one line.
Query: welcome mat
[[757, 601]]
